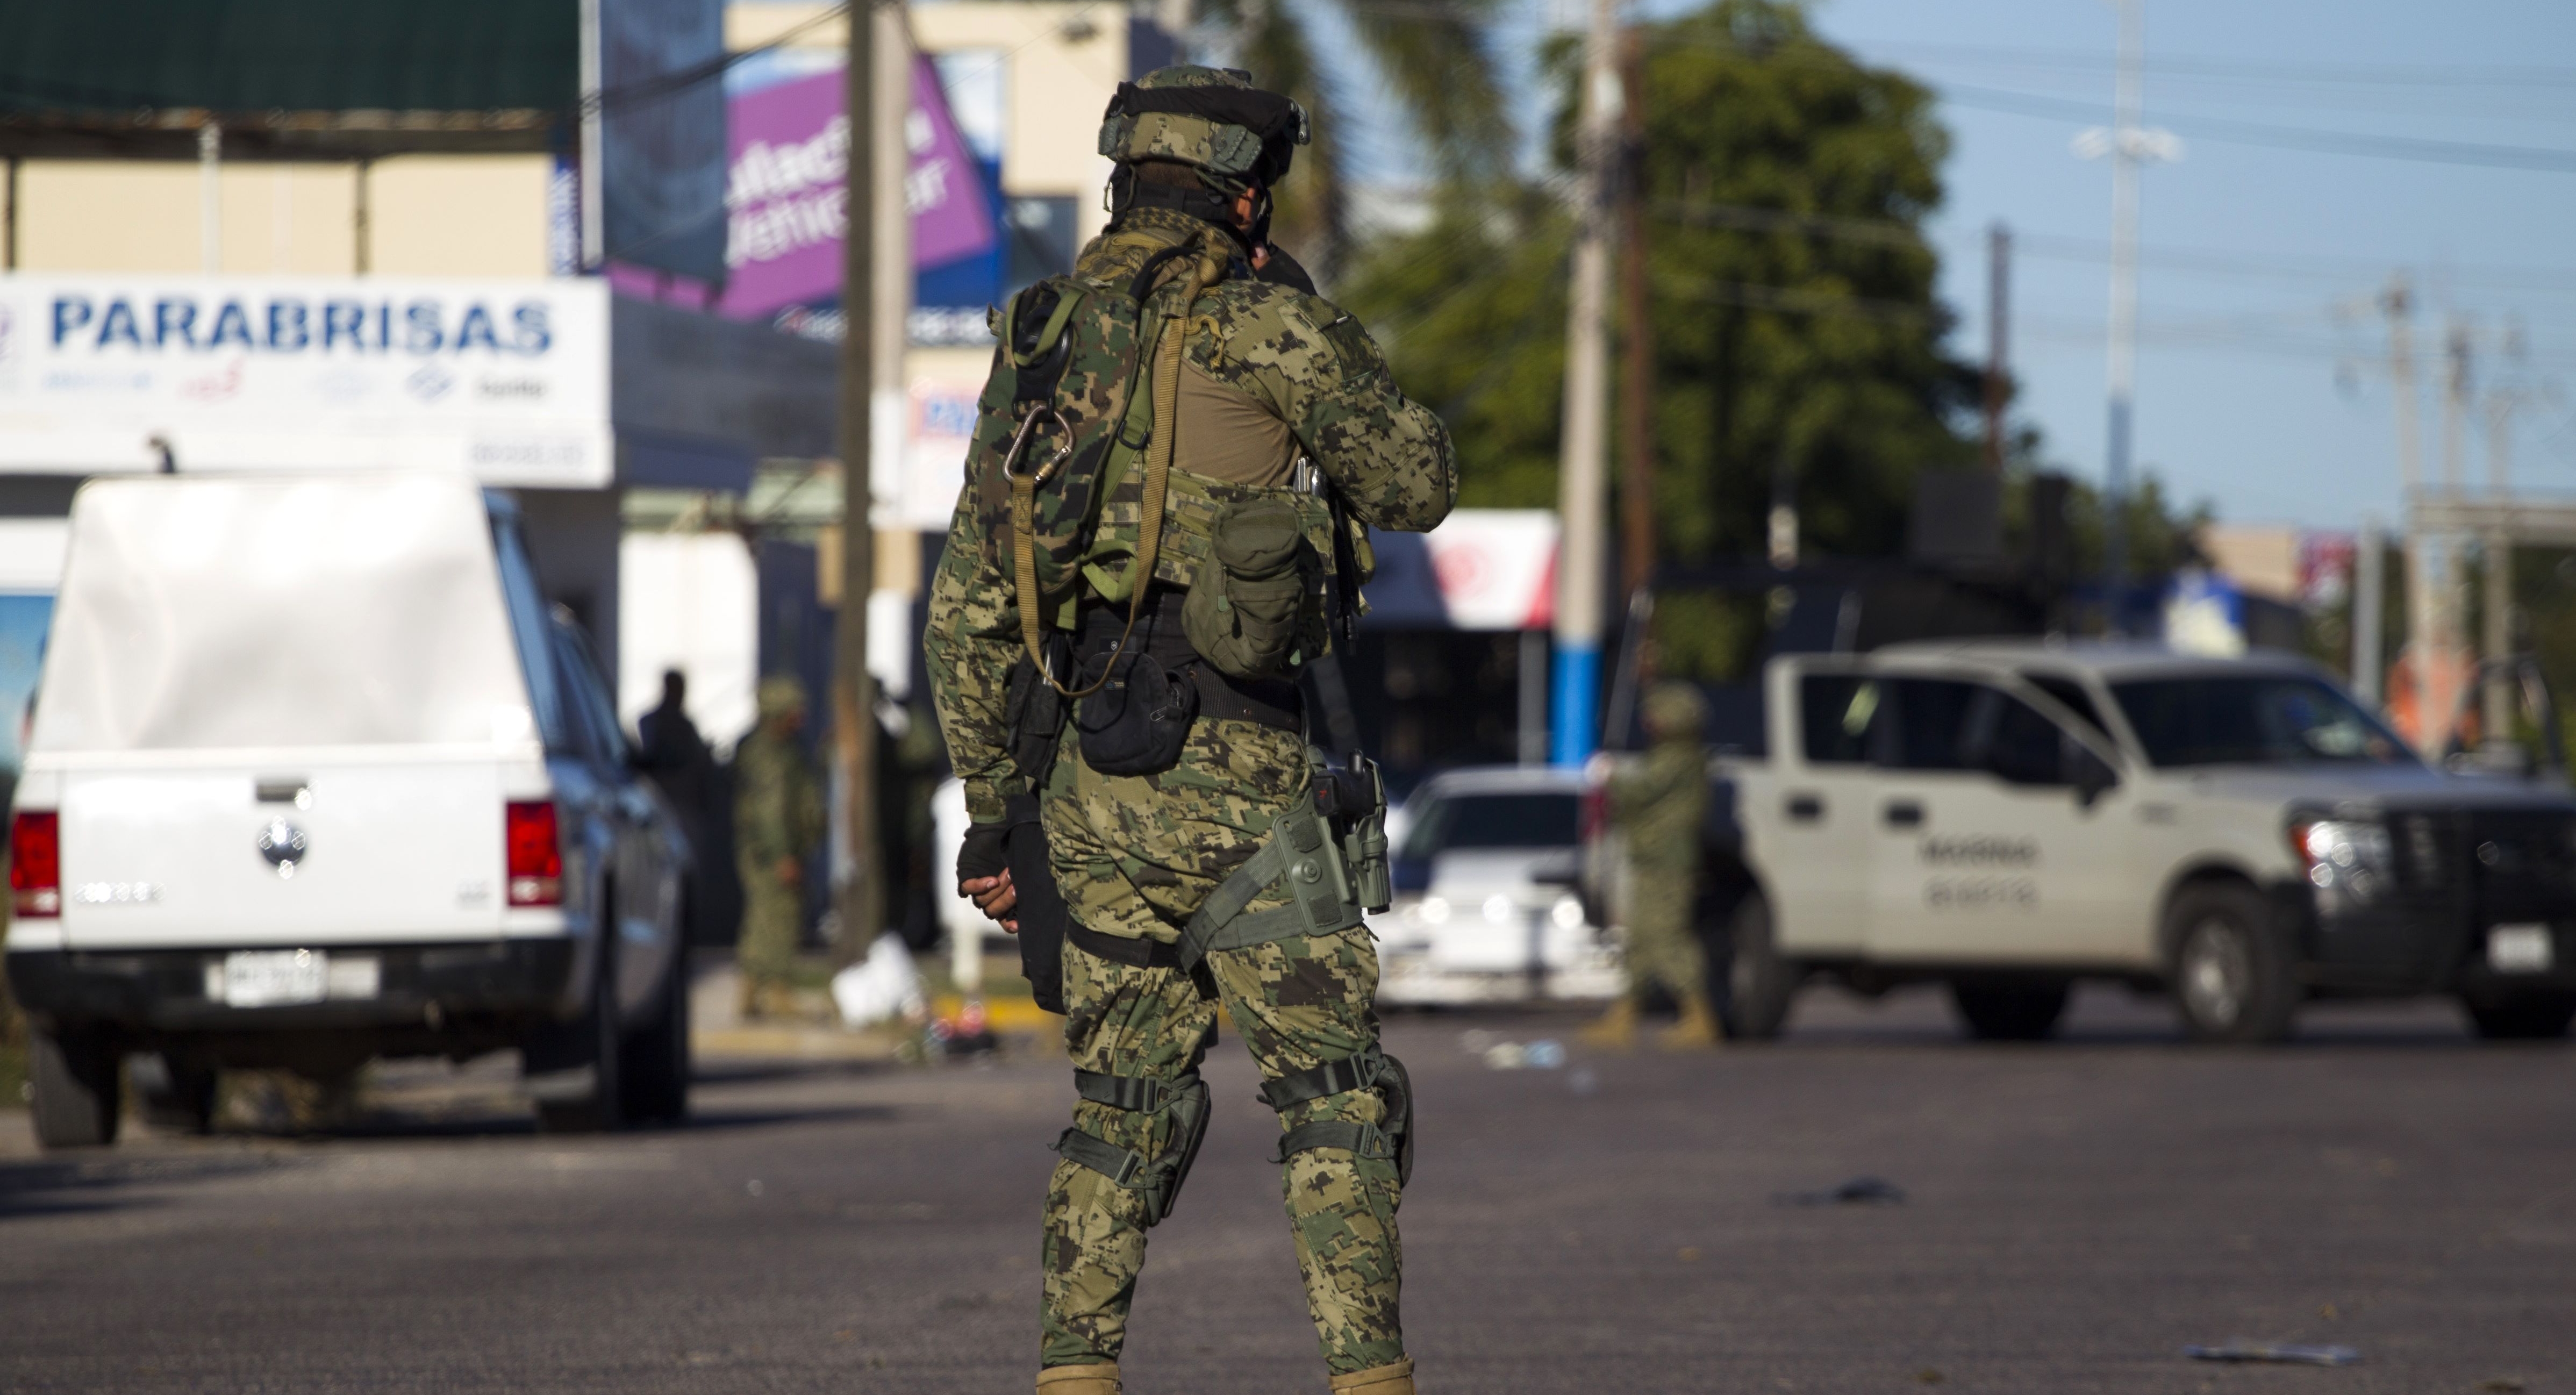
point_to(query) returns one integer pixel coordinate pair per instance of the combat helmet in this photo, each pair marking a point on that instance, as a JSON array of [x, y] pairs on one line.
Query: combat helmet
[[1235, 135]]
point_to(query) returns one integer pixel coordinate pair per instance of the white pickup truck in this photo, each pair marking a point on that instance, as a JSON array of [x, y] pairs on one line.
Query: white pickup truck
[[2010, 816], [316, 777]]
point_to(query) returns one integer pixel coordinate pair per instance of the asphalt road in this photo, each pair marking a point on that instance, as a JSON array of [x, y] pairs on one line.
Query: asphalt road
[[2074, 1215]]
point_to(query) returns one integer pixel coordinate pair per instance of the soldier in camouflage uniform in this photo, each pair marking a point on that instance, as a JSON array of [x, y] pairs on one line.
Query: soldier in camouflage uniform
[[1660, 804], [778, 822], [1267, 375]]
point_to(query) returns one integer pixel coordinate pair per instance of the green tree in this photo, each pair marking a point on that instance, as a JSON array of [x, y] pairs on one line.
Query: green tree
[[1437, 66], [1796, 338]]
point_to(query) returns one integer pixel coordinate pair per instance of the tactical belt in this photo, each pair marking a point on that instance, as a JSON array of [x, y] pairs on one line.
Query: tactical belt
[[1271, 702], [1301, 857], [1135, 951]]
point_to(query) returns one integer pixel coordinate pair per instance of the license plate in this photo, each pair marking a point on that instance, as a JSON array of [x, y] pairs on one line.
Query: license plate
[[275, 977], [2520, 949]]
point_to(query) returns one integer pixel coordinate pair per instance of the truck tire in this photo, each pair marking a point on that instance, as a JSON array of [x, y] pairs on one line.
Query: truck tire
[[1761, 985], [598, 1108], [2530, 1016], [656, 1070], [174, 1097], [2009, 1010], [2230, 973], [79, 1088]]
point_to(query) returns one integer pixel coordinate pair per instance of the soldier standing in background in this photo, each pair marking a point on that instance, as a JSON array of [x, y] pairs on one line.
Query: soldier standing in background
[[1140, 562], [1660, 804], [778, 823]]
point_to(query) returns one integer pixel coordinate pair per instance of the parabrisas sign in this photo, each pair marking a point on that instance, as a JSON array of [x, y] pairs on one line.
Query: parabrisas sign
[[506, 379], [295, 325]]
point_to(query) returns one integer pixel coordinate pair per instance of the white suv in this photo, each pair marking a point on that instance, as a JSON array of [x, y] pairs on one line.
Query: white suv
[[315, 777], [2011, 816]]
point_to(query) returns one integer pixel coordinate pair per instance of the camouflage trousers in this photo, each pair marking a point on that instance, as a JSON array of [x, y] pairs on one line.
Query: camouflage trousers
[[1663, 945], [1298, 1003], [1135, 856], [773, 913]]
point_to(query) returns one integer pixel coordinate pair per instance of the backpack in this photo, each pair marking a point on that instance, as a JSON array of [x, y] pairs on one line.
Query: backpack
[[1066, 414]]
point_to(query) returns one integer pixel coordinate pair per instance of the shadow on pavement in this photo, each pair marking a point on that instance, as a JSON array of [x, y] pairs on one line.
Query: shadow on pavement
[[103, 1181]]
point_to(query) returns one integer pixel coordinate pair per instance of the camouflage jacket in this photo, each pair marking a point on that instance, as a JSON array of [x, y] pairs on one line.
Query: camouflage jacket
[[778, 800], [1660, 802], [1302, 360]]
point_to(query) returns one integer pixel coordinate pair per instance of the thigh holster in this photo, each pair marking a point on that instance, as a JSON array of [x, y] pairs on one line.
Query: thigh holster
[[1371, 1069], [1157, 1179]]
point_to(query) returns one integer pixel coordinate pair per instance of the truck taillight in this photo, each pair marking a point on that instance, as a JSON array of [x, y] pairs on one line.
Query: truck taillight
[[536, 854], [36, 864]]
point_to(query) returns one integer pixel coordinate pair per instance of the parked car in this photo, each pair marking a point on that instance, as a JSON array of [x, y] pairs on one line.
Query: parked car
[[1485, 908], [2008, 817], [315, 777]]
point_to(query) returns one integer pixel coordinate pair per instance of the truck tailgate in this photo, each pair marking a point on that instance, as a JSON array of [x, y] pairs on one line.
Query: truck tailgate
[[312, 850]]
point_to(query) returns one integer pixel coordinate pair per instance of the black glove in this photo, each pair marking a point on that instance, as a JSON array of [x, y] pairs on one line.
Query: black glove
[[986, 852], [1280, 269]]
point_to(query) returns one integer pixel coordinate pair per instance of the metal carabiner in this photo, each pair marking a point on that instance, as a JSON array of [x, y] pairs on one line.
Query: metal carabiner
[[1020, 446]]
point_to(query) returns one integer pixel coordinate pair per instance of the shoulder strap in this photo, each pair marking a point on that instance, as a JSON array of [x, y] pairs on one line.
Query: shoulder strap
[[1205, 272]]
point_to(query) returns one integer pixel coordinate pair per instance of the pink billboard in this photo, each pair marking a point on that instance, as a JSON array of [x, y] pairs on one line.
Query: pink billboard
[[787, 205]]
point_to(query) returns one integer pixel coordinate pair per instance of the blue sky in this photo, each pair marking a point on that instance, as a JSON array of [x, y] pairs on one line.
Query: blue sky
[[2262, 383]]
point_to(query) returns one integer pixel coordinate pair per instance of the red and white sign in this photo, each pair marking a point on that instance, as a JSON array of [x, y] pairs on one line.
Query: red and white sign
[[1482, 569]]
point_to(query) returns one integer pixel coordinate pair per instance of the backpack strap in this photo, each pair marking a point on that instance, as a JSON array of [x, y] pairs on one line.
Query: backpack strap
[[1206, 271]]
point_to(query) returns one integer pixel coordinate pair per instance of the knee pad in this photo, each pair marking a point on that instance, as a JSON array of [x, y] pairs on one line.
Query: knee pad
[[1370, 1069], [1158, 1179]]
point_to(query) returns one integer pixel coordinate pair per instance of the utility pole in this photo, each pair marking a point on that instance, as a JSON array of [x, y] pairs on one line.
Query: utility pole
[[2497, 642], [2398, 304], [1998, 338], [1636, 385], [860, 898], [2448, 629], [2128, 145], [1575, 712], [2369, 584]]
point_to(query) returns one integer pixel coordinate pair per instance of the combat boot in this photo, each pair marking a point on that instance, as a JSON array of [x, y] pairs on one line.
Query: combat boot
[[1696, 1031], [1100, 1379], [1616, 1030], [1395, 1378]]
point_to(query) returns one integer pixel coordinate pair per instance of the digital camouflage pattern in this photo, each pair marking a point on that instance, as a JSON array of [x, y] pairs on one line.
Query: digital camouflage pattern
[[1316, 367], [1659, 805], [778, 814], [1298, 1003], [1135, 856]]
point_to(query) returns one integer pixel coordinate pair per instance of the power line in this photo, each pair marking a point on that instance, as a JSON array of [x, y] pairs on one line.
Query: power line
[[2230, 132]]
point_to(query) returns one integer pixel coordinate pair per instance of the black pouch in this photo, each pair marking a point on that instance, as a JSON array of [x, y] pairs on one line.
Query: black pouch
[[1041, 910], [1136, 723]]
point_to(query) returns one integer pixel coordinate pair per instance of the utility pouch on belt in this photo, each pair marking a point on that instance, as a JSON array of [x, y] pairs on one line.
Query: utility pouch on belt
[[1137, 714], [1242, 612]]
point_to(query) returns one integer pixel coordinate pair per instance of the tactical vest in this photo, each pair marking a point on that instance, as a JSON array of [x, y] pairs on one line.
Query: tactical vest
[[1072, 465]]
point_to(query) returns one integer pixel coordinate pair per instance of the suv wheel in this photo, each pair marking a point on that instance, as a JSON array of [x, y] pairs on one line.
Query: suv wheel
[[2230, 973], [1760, 983], [79, 1087], [656, 1070], [2530, 1016], [596, 1109], [2009, 1011], [175, 1097]]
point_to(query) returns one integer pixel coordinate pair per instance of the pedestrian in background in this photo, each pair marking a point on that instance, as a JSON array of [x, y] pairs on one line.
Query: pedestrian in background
[[1659, 804], [670, 750], [778, 823]]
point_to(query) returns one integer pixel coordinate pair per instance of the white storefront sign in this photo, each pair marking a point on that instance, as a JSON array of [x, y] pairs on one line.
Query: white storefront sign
[[1481, 569], [505, 378]]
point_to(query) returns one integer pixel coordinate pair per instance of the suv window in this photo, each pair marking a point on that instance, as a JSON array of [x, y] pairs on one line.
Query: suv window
[[1834, 712], [1520, 819], [1924, 725], [2269, 719], [2070, 695], [2014, 741], [530, 628], [594, 718]]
